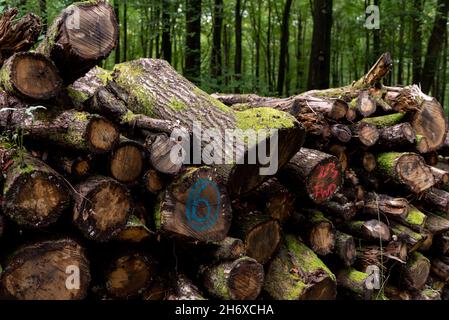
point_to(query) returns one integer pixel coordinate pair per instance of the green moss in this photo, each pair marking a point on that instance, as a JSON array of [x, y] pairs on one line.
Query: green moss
[[353, 104], [263, 118], [104, 75], [415, 217], [386, 161], [220, 282], [330, 93], [129, 117], [307, 259], [77, 96], [357, 276], [157, 215], [316, 217], [81, 116], [177, 105], [297, 291], [385, 121]]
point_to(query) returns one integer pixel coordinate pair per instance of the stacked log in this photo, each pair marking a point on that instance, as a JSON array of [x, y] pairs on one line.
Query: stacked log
[[104, 194]]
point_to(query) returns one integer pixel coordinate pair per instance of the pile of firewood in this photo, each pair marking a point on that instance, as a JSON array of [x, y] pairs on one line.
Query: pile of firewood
[[93, 205]]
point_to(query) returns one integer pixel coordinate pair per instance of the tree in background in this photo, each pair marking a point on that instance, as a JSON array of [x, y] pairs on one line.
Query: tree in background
[[319, 66], [166, 30], [284, 46], [216, 54], [192, 69]]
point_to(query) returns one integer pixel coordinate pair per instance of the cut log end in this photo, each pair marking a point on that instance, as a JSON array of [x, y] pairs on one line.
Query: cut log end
[[31, 75], [101, 208], [41, 272], [263, 240], [368, 134], [324, 180], [196, 205], [101, 134], [127, 162], [129, 276]]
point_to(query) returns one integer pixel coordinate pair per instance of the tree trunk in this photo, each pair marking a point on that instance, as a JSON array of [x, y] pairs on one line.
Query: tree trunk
[[435, 45], [216, 68], [238, 45], [296, 273], [101, 208], [193, 41], [417, 39], [30, 76], [319, 68], [34, 195], [92, 22], [284, 46], [45, 271]]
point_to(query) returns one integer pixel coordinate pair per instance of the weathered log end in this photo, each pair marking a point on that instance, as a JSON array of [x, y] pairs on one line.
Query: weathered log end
[[127, 161]]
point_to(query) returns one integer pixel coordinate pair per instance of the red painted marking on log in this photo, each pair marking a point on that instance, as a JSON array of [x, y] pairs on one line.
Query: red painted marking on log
[[325, 184]]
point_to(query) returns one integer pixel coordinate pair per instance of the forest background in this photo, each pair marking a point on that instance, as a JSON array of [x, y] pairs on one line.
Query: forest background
[[279, 47]]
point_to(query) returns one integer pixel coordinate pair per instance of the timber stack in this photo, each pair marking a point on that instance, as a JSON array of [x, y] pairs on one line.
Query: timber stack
[[105, 197]]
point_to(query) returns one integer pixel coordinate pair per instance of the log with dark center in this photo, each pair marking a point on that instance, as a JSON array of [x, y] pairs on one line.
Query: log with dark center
[[129, 275], [34, 195], [127, 161], [196, 205], [318, 172], [17, 34], [69, 129], [75, 167], [365, 133], [241, 279], [30, 76], [406, 169], [153, 88], [153, 181], [82, 35], [101, 208], [48, 270], [296, 273]]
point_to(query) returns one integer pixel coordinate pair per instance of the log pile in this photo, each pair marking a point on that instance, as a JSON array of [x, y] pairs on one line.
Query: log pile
[[101, 199]]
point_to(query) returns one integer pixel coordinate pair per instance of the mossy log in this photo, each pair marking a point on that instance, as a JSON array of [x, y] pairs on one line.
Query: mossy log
[[102, 207], [345, 248], [47, 270], [241, 279], [440, 267], [370, 230], [406, 169], [69, 129], [127, 161], [17, 34], [414, 240], [34, 195], [153, 88], [196, 205], [81, 36], [84, 89], [30, 76], [355, 283], [318, 231], [184, 289], [273, 199], [296, 273], [436, 201], [130, 275], [416, 271], [436, 224], [398, 136], [260, 233], [398, 209], [318, 172]]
